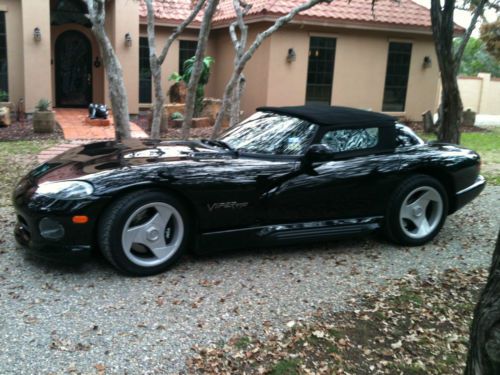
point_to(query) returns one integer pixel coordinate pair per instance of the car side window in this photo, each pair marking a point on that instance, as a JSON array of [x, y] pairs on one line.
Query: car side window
[[344, 140]]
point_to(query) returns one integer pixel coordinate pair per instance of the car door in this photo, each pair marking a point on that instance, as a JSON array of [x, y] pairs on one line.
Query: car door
[[228, 193], [354, 182]]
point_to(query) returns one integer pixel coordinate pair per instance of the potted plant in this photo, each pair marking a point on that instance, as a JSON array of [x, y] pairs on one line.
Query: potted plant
[[176, 120], [43, 117]]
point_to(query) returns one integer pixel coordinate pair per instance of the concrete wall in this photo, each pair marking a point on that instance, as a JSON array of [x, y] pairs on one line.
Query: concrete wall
[[14, 29], [480, 94], [256, 72], [123, 18], [37, 70], [359, 72]]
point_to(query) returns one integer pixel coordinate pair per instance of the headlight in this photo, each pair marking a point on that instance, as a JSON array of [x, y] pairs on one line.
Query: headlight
[[65, 189]]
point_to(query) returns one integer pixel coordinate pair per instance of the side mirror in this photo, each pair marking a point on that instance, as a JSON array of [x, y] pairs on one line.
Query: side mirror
[[316, 153]]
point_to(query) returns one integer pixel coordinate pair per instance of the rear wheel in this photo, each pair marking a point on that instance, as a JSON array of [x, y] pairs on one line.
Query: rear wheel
[[417, 211], [144, 232]]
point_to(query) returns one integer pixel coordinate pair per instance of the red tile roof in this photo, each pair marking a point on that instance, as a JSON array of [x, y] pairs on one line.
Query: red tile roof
[[386, 12]]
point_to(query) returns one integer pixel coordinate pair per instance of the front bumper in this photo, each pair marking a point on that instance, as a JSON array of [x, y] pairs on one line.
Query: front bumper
[[66, 250], [77, 241], [469, 193]]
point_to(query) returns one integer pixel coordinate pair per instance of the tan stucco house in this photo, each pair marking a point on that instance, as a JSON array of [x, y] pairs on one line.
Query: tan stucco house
[[340, 53]]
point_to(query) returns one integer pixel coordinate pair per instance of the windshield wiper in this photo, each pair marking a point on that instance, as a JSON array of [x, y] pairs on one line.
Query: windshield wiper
[[218, 143]]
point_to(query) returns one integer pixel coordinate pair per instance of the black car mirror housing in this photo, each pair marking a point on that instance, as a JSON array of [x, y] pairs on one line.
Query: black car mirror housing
[[318, 152]]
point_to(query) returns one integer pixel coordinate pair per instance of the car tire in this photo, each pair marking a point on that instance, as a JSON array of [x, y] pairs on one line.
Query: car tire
[[144, 233], [417, 211]]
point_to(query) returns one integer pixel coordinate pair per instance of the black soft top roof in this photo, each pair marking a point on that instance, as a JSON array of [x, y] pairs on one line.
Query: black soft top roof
[[334, 116]]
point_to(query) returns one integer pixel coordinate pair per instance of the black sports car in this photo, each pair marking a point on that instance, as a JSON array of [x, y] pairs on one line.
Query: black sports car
[[283, 176]]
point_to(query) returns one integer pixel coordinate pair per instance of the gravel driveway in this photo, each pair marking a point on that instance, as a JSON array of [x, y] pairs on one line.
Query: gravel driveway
[[89, 319]]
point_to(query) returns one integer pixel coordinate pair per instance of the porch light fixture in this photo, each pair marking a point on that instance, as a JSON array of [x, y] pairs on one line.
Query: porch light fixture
[[291, 56], [97, 62], [37, 34], [427, 62], [128, 40]]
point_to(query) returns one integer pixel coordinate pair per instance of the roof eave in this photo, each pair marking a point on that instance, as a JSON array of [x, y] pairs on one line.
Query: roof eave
[[310, 21]]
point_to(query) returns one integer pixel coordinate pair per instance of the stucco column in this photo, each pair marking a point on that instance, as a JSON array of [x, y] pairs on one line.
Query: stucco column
[[37, 79], [122, 17], [484, 94]]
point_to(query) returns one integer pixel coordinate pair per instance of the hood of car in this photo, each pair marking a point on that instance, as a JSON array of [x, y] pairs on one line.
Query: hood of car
[[103, 157]]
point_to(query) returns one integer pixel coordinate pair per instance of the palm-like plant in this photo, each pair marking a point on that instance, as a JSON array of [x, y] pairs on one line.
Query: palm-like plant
[[208, 61]]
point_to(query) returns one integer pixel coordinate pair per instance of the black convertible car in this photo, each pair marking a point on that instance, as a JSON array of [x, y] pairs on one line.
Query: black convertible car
[[283, 176]]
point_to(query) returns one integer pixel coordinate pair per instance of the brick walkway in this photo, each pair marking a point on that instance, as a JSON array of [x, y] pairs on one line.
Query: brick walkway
[[77, 132], [72, 122], [56, 150]]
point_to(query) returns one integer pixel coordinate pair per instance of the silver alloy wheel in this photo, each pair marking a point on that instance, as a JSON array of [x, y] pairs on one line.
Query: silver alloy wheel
[[152, 234], [421, 212]]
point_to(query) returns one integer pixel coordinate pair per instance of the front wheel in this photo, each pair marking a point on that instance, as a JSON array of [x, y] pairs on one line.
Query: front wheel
[[143, 233], [417, 211]]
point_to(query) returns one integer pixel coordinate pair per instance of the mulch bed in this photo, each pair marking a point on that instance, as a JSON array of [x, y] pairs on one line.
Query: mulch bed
[[415, 325], [143, 122], [23, 131]]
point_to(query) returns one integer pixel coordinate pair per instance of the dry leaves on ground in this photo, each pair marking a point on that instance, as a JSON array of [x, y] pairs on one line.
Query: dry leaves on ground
[[413, 326]]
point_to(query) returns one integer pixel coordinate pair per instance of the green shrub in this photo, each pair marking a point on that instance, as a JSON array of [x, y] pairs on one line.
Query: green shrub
[[43, 105], [177, 116]]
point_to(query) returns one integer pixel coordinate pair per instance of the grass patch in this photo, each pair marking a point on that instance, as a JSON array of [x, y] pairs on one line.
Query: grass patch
[[16, 159], [21, 148], [286, 367], [242, 342], [487, 144]]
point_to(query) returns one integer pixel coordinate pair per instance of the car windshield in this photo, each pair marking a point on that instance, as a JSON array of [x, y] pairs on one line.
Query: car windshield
[[270, 133]]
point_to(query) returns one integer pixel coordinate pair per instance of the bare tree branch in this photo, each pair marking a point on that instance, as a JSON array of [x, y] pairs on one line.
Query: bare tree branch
[[246, 56], [155, 68], [179, 30], [478, 11], [241, 9]]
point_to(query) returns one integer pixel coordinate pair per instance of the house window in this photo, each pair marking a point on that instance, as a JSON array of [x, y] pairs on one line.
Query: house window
[[144, 72], [396, 79], [4, 79], [320, 70], [187, 49]]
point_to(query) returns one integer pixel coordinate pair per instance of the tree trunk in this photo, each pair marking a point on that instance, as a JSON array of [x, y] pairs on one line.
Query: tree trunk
[[484, 348], [155, 68], [452, 111], [226, 100], [443, 29], [192, 88], [428, 122], [236, 101], [156, 62], [114, 73]]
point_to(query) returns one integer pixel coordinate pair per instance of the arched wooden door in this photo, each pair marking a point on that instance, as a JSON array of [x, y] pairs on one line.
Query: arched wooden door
[[73, 68]]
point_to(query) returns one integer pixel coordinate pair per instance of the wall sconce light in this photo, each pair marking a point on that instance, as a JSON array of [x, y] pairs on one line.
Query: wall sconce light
[[97, 62], [427, 62], [291, 56], [37, 34], [128, 40]]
